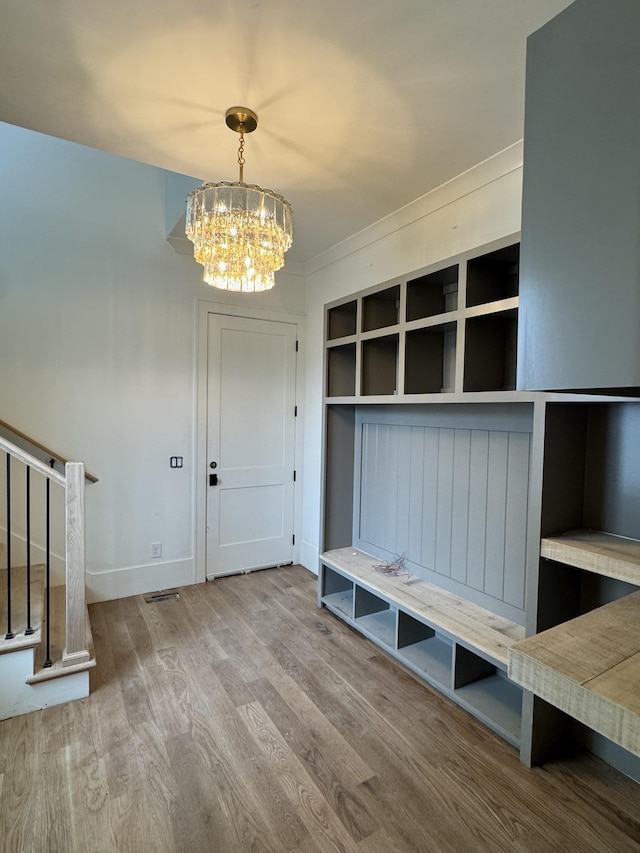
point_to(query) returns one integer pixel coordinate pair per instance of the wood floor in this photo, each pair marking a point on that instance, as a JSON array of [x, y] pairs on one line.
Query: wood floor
[[241, 718]]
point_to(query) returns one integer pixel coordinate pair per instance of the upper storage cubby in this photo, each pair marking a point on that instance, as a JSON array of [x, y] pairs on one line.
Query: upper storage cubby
[[381, 309], [494, 276], [380, 365], [341, 320], [432, 294], [491, 345], [430, 359], [341, 371], [444, 330]]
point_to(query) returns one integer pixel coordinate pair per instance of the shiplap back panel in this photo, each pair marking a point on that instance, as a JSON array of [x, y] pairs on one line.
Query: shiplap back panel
[[454, 501]]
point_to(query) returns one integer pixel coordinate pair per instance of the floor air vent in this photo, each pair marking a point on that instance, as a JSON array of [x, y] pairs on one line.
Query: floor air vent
[[161, 596]]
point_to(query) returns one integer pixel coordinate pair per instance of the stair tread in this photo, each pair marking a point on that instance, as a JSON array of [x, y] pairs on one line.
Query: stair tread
[[20, 640]]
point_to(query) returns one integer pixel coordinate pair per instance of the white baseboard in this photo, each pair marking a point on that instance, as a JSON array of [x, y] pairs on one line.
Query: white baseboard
[[137, 580], [309, 556]]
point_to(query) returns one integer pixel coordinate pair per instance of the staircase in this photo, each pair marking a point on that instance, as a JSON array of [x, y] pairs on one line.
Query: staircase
[[46, 651]]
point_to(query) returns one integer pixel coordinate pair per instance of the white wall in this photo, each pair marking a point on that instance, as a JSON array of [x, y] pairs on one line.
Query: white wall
[[475, 208], [98, 346]]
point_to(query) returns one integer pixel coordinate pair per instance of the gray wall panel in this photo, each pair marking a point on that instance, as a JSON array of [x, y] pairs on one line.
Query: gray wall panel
[[516, 518], [452, 500], [429, 497], [444, 502], [496, 513], [415, 512], [477, 538], [460, 505]]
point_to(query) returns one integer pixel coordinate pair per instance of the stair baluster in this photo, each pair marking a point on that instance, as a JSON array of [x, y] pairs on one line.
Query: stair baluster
[[29, 628], [9, 635], [47, 582]]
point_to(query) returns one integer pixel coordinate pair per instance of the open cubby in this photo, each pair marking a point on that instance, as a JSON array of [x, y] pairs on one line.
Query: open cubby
[[491, 342], [381, 309], [341, 371], [430, 359], [341, 320], [424, 651], [592, 468], [485, 690], [493, 276], [375, 617], [337, 592], [432, 294], [380, 365]]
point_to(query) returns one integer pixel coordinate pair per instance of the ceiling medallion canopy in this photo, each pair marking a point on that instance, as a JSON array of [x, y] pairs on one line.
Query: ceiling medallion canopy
[[239, 231]]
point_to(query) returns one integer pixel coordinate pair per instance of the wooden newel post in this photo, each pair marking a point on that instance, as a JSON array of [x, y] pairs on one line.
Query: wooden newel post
[[76, 636]]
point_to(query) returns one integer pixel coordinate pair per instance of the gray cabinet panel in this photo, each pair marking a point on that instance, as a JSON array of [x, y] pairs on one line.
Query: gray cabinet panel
[[580, 253]]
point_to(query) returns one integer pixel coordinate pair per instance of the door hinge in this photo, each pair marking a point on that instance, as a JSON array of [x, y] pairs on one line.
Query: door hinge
[[293, 539], [294, 476], [295, 411], [297, 344]]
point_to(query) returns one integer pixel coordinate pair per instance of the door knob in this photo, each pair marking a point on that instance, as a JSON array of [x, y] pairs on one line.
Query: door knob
[[213, 479]]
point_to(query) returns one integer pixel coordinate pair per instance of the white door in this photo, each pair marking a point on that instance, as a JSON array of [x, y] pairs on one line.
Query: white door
[[250, 440]]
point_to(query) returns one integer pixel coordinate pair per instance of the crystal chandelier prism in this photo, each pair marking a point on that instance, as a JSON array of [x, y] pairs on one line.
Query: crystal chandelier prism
[[239, 231]]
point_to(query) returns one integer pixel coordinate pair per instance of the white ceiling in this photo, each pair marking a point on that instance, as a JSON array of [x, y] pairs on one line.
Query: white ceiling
[[364, 105]]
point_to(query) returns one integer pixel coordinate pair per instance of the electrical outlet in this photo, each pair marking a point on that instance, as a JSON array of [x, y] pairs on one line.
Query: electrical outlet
[[156, 550]]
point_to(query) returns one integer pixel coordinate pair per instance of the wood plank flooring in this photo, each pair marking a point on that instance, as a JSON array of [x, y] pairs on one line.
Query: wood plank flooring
[[241, 718]]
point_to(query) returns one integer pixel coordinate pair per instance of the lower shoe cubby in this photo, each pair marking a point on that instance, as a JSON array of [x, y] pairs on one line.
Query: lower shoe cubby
[[485, 690], [337, 592], [375, 617], [424, 651]]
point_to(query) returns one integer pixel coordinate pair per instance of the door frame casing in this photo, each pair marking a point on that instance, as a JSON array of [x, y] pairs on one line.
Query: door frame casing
[[204, 308]]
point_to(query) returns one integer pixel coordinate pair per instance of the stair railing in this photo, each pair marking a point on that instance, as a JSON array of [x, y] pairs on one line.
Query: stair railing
[[72, 484]]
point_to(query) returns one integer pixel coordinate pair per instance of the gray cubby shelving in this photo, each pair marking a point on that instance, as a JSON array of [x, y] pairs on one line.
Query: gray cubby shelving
[[420, 627], [447, 329], [532, 519]]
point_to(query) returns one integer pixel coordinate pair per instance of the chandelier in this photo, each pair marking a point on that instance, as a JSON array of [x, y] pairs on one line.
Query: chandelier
[[239, 231]]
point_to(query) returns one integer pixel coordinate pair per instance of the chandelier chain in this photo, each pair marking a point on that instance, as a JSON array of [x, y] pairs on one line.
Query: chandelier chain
[[241, 152]]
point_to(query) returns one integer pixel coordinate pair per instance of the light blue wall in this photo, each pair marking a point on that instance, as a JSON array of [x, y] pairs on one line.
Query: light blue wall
[[98, 346]]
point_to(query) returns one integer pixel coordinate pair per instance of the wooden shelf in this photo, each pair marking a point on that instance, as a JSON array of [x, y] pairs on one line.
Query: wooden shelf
[[460, 619], [589, 668], [596, 552]]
